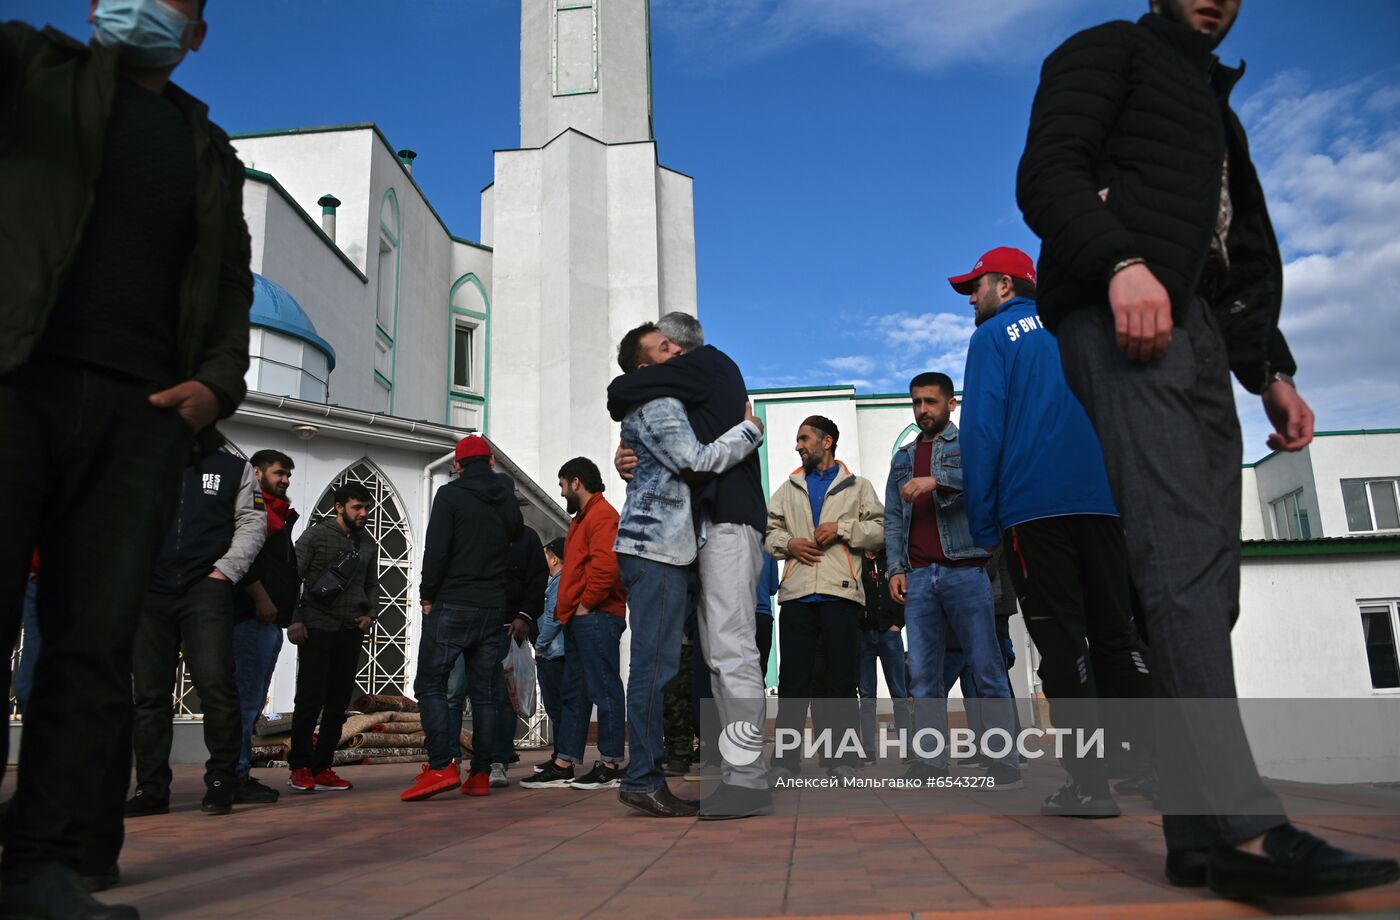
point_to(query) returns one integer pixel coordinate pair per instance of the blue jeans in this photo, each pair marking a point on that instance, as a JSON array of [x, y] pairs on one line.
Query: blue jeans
[[551, 678], [658, 595], [255, 650], [591, 679], [451, 632], [938, 596], [29, 654], [504, 744], [888, 649], [958, 669]]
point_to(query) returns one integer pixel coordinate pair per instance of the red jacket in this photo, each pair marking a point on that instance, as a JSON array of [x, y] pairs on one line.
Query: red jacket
[[590, 575]]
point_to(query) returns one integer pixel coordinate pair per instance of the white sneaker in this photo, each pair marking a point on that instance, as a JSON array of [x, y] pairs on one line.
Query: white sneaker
[[499, 780]]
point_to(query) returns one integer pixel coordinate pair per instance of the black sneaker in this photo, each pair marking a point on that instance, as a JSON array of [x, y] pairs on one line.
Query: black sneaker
[[539, 767], [252, 792], [1071, 801], [552, 776], [601, 776], [218, 798], [145, 802], [924, 772], [1004, 777]]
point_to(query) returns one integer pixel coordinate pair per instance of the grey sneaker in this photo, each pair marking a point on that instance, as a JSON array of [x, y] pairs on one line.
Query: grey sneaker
[[499, 780]]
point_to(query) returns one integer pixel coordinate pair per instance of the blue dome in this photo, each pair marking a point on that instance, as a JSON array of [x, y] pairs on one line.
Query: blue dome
[[273, 308]]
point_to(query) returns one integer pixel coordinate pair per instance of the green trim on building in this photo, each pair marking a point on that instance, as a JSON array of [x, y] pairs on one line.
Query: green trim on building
[[393, 151], [383, 334], [485, 318], [768, 391], [760, 409], [472, 243], [388, 384], [900, 440], [1333, 546], [1327, 434], [268, 180]]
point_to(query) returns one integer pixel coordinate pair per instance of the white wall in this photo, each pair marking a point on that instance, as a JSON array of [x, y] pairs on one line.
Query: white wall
[[619, 111], [1282, 474], [1352, 456], [1299, 638]]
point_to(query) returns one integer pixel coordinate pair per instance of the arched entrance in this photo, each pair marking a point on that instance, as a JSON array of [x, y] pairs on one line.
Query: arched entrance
[[384, 666]]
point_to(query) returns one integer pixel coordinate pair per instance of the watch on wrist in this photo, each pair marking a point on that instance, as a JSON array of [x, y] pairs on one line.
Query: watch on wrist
[[1280, 375]]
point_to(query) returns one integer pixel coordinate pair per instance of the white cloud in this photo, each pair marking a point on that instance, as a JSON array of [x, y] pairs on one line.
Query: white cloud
[[914, 33], [1329, 159]]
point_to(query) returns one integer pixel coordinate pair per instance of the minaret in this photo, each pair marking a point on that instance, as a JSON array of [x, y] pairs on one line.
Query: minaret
[[591, 235]]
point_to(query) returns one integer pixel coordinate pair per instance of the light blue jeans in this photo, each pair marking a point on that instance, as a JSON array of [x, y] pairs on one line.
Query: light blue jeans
[[938, 596]]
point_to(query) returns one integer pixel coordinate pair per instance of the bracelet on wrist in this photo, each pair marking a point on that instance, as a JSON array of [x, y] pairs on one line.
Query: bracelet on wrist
[[1135, 260]]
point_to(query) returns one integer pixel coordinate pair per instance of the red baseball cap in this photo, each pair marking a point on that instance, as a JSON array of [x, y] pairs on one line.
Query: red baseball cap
[[1004, 261], [472, 446]]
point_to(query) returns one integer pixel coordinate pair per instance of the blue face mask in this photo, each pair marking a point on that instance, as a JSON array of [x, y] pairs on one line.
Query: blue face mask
[[147, 33]]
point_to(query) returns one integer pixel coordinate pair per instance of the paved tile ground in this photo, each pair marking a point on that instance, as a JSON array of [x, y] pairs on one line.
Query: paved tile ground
[[565, 853]]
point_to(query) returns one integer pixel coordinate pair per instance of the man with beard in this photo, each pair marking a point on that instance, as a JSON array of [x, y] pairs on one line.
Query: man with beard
[[592, 606], [1160, 274], [821, 521], [339, 569], [123, 337], [655, 547], [1034, 478], [263, 607], [730, 514], [938, 573]]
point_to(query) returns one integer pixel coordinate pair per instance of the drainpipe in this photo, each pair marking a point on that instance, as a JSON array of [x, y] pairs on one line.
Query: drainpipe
[[406, 157], [328, 205]]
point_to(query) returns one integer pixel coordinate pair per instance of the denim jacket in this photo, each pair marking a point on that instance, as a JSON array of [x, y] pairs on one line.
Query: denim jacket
[[656, 522], [550, 643], [953, 529]]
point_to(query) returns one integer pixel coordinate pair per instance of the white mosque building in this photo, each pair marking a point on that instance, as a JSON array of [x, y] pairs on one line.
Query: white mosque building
[[380, 337]]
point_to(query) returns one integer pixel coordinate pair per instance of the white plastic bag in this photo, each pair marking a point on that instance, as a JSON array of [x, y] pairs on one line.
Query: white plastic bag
[[520, 677]]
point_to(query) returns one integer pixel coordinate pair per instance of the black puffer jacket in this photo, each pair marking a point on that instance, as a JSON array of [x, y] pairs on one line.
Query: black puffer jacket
[[1127, 138], [474, 520]]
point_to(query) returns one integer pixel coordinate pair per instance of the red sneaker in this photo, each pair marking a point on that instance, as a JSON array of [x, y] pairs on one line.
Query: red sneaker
[[302, 781], [430, 782], [478, 783], [327, 781]]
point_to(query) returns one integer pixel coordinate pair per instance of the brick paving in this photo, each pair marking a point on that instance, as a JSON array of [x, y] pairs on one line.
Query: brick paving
[[563, 853]]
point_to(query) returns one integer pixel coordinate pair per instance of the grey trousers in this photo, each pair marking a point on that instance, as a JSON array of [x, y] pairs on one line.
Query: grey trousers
[[729, 564], [1171, 442]]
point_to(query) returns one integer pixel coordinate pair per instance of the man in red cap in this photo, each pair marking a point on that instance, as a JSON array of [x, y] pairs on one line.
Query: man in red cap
[[463, 592], [1034, 479]]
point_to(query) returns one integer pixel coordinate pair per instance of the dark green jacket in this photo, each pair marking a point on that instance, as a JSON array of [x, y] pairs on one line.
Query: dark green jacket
[[55, 98]]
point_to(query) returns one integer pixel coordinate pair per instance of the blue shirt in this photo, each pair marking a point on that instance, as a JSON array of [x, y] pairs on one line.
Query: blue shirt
[[767, 585], [1028, 448], [817, 485]]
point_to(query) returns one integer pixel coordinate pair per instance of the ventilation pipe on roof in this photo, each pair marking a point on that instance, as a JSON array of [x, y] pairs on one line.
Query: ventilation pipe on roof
[[328, 205], [406, 157]]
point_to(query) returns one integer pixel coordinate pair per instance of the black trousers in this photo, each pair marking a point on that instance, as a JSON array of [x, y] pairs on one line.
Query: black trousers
[[326, 666], [90, 473], [1071, 575], [1171, 443], [199, 621], [819, 645]]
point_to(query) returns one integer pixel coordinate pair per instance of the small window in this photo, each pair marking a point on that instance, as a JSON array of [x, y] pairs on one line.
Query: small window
[[463, 357], [1291, 518], [1372, 504], [1378, 625]]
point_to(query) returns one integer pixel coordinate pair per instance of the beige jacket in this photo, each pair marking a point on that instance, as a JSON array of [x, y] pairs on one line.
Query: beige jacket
[[860, 524]]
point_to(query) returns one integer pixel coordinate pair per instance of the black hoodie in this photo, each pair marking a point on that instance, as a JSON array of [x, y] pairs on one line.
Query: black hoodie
[[475, 519]]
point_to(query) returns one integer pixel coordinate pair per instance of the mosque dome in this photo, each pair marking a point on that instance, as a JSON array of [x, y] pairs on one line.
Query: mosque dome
[[274, 308], [286, 356]]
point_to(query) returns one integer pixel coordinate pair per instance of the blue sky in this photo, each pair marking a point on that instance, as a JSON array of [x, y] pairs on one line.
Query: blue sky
[[848, 155]]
